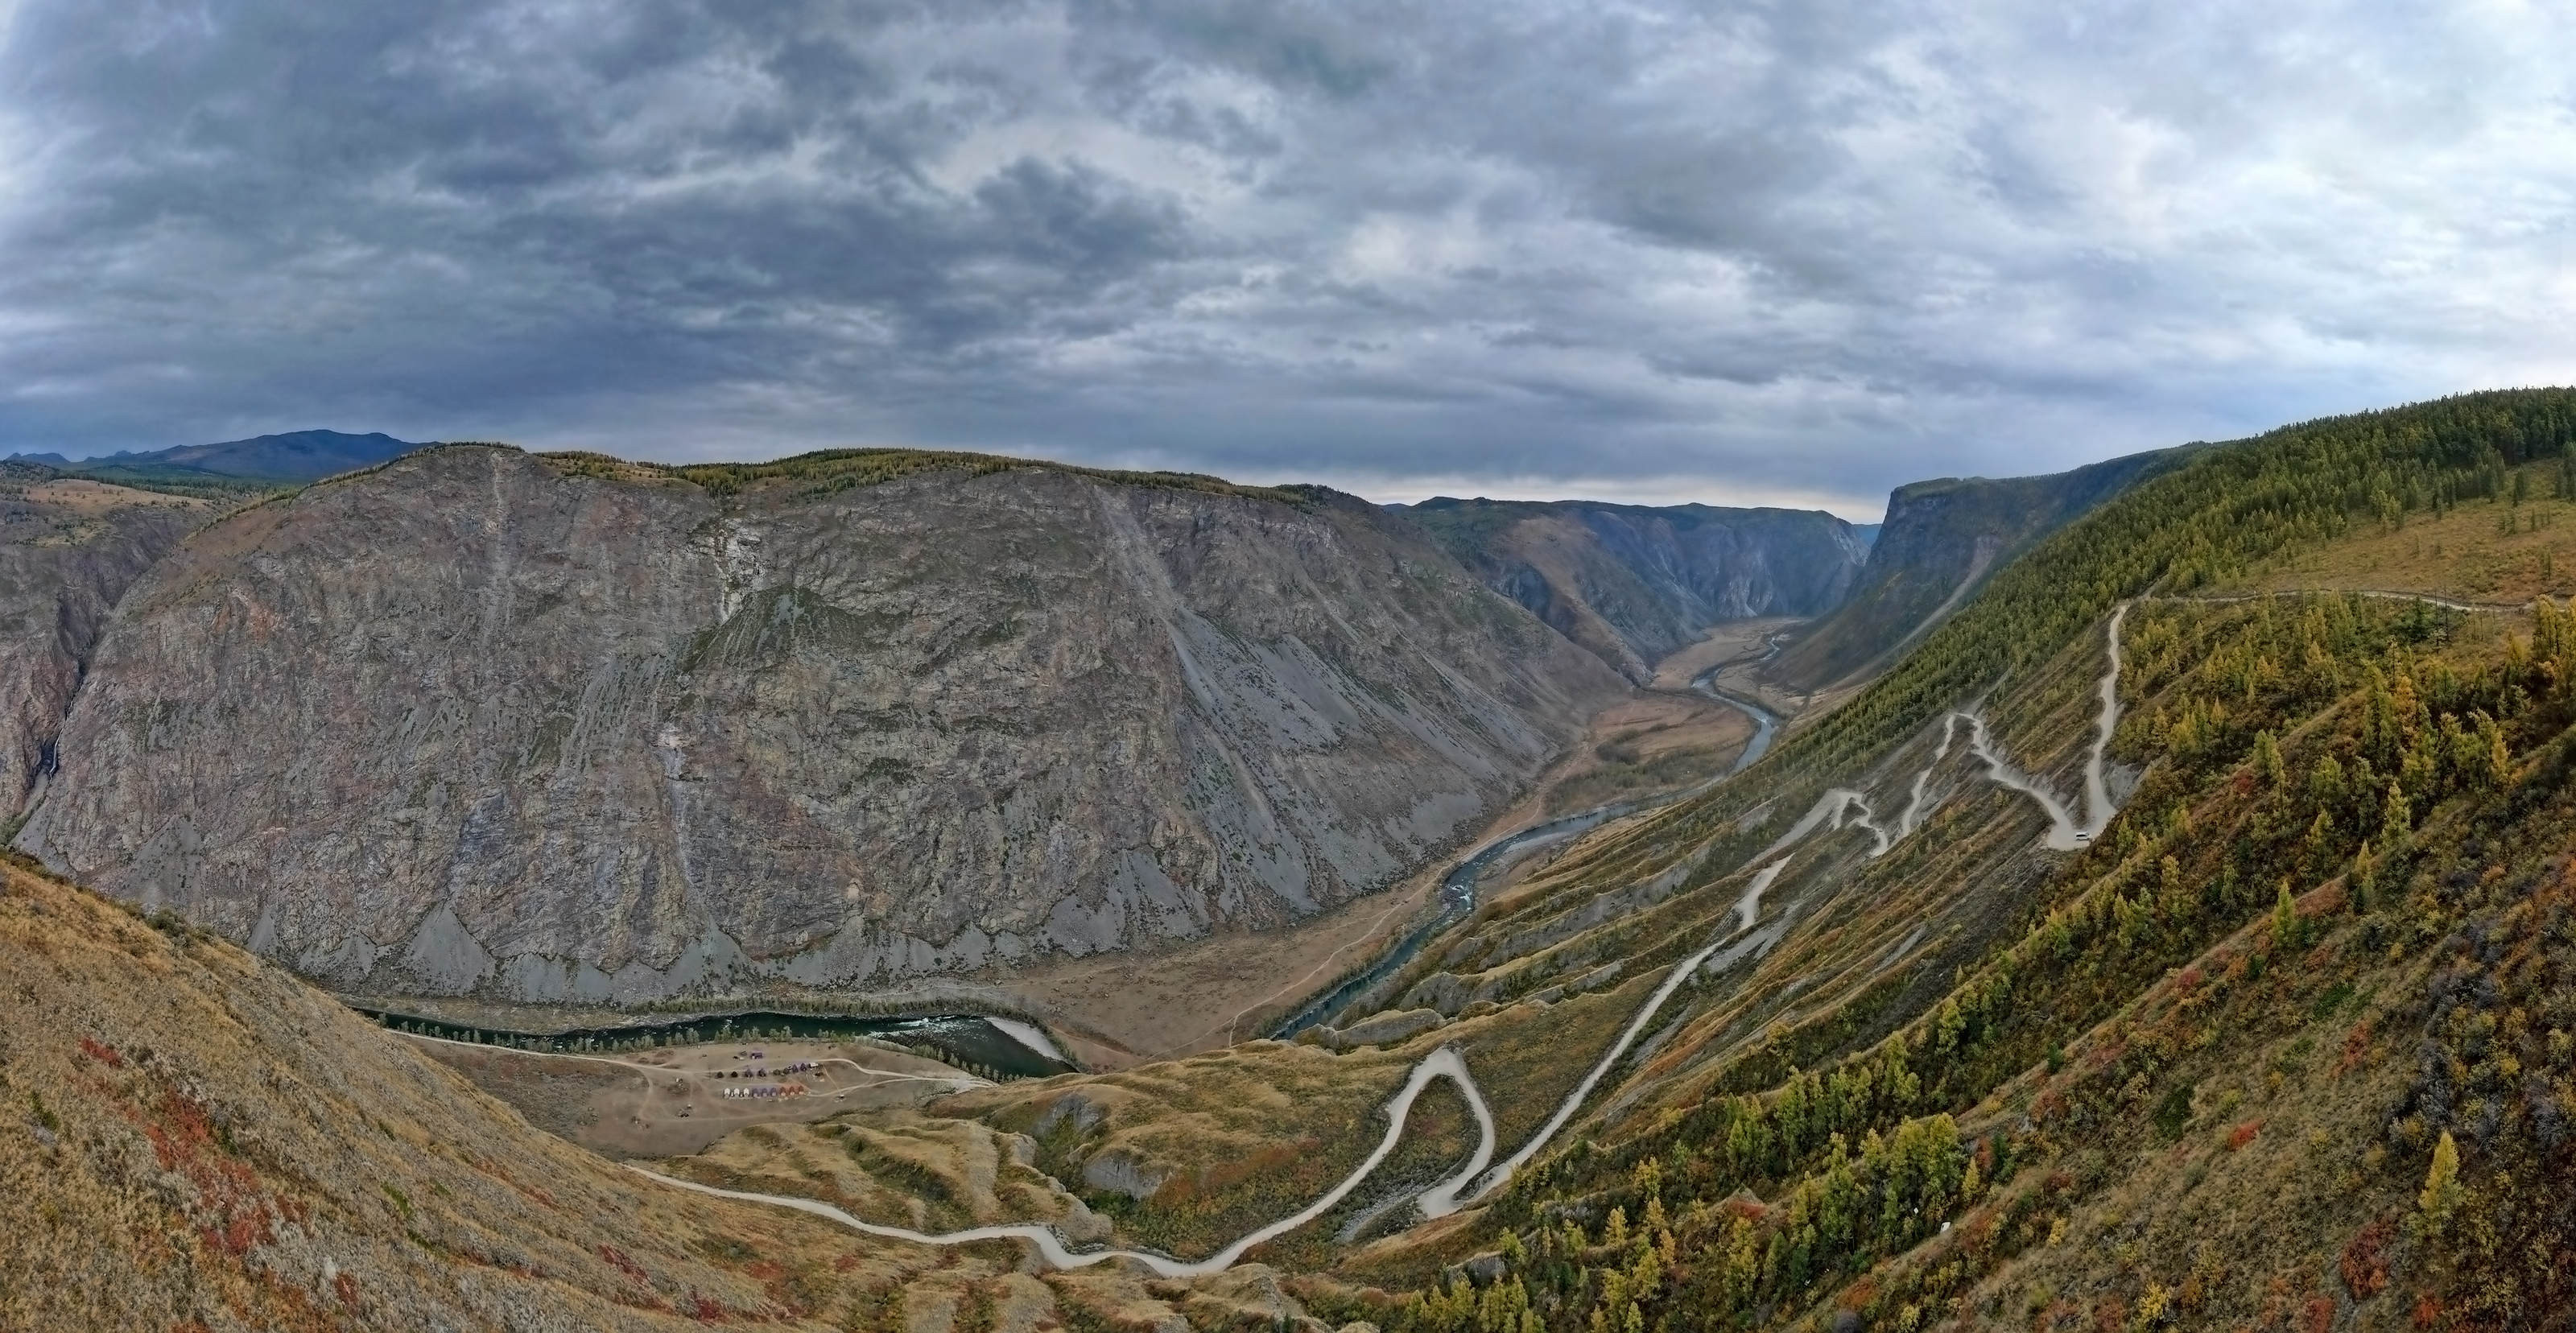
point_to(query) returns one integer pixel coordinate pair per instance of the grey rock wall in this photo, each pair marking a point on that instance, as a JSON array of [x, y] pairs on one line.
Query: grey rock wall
[[64, 563], [1941, 541], [1634, 583], [480, 723]]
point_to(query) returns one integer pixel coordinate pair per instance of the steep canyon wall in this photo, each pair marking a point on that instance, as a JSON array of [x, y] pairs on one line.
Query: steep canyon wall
[[528, 728]]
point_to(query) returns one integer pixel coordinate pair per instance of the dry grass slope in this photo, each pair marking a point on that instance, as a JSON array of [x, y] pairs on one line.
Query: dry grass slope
[[195, 1141]]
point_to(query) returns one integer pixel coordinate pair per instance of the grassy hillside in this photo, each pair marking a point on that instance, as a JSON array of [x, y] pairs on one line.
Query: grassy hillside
[[2286, 1046], [195, 483], [1941, 540], [198, 1142]]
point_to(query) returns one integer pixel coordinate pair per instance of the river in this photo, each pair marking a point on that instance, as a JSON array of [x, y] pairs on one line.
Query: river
[[966, 1038], [1458, 887]]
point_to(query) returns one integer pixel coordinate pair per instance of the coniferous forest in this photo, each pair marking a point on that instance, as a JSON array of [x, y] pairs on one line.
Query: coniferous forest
[[2334, 910]]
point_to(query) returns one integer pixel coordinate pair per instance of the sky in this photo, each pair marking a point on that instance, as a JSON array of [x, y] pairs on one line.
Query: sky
[[1759, 253]]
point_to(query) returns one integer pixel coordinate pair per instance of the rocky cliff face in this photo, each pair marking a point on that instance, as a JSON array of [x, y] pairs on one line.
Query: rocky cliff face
[[1934, 550], [482, 722], [68, 551], [1633, 583]]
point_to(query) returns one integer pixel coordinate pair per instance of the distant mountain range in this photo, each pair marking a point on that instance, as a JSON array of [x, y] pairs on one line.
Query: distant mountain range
[[290, 458]]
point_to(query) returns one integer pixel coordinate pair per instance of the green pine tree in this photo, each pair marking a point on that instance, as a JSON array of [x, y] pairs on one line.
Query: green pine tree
[[2287, 929]]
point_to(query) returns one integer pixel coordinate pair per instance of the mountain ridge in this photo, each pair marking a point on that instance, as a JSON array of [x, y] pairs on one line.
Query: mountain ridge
[[290, 456], [2268, 1048], [1883, 1033], [1632, 583], [811, 694], [1940, 541]]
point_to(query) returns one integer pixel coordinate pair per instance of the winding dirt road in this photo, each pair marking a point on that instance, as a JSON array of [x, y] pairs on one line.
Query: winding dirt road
[[1476, 1179], [1471, 1182], [1443, 1063]]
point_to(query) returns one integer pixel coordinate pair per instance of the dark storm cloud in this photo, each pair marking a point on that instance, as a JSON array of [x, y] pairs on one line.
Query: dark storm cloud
[[1746, 251]]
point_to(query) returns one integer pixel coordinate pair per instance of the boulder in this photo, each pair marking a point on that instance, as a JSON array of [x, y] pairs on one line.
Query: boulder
[[1596, 978], [1117, 1169], [1389, 1028], [1447, 992]]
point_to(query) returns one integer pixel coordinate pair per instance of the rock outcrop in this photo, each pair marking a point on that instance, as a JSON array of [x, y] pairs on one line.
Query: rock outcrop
[[562, 728], [1940, 541], [1633, 583], [68, 551]]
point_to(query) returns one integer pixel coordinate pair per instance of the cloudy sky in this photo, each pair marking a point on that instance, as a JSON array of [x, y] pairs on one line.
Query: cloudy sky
[[1789, 252]]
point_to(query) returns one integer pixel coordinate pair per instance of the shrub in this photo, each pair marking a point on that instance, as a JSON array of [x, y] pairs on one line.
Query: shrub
[[2365, 1260]]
